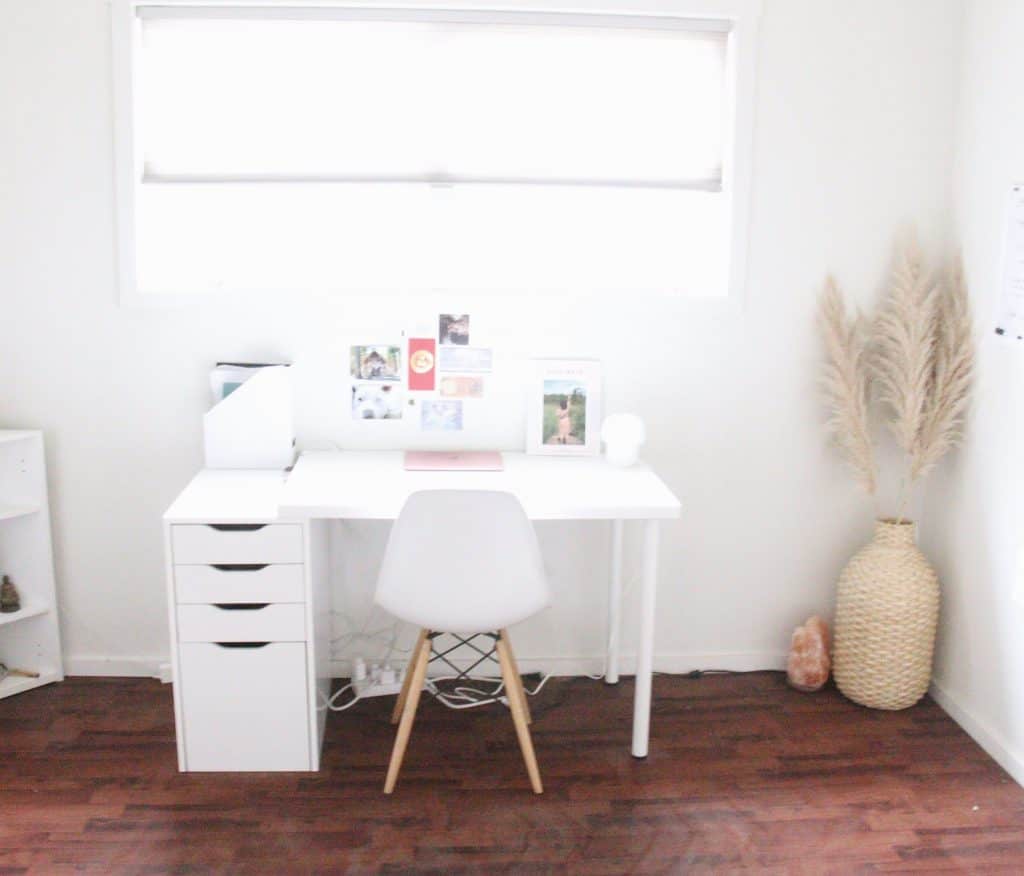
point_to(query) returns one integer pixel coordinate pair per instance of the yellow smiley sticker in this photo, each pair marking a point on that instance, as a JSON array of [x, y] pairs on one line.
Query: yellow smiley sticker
[[421, 361]]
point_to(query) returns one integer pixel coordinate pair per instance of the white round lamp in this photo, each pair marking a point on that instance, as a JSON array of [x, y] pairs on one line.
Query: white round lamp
[[623, 436]]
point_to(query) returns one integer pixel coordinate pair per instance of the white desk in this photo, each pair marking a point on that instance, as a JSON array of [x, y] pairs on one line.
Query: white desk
[[374, 485], [248, 592]]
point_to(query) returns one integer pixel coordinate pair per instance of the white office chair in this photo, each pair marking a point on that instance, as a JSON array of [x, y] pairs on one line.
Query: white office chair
[[463, 562]]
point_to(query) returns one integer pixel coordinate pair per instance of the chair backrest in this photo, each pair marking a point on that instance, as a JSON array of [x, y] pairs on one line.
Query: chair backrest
[[462, 561]]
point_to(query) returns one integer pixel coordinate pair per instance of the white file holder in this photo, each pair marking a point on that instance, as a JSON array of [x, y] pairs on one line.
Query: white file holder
[[252, 427]]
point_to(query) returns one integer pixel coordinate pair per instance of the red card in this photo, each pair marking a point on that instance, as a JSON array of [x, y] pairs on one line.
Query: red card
[[422, 363]]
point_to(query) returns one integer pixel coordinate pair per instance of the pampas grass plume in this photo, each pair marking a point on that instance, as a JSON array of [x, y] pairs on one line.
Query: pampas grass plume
[[904, 349], [917, 360], [952, 376], [846, 383]]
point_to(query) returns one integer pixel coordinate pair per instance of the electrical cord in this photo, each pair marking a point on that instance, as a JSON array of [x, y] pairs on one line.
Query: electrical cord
[[364, 633], [329, 702], [390, 633], [460, 697], [539, 687], [463, 697]]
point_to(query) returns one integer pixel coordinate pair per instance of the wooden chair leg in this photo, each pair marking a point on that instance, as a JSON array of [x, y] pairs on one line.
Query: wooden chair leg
[[400, 702], [518, 715], [418, 674], [519, 678]]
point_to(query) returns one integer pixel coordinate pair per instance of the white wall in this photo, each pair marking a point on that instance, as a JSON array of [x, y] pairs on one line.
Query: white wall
[[853, 142], [973, 525]]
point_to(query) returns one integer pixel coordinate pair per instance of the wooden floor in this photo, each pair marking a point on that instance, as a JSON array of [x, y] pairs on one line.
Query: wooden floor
[[743, 773]]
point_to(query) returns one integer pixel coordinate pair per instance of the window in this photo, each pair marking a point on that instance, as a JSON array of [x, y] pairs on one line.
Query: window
[[281, 148]]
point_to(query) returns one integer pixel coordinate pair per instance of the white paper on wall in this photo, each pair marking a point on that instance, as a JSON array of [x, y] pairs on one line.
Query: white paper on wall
[[1010, 315]]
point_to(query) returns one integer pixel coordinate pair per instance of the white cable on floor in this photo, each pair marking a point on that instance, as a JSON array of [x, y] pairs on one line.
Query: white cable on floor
[[329, 704], [467, 697], [539, 687], [463, 697]]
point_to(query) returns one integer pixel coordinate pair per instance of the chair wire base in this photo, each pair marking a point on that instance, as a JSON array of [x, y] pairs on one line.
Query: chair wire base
[[459, 675]]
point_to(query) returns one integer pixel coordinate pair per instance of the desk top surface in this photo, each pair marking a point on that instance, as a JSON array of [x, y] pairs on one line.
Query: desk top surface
[[229, 496], [373, 485]]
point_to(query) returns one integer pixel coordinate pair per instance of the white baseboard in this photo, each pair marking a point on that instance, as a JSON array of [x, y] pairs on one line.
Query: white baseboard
[[736, 661], [124, 667], [673, 664], [994, 744]]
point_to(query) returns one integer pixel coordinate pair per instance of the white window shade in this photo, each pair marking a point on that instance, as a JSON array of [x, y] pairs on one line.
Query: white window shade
[[237, 95], [279, 149]]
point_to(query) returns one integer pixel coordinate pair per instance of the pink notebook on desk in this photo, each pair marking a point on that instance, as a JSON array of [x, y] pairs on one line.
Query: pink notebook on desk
[[453, 460]]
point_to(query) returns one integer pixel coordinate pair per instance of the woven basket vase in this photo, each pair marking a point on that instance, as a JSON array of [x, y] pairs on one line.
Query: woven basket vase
[[887, 609]]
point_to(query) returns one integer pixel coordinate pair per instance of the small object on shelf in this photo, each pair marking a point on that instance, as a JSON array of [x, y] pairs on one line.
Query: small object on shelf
[[6, 670], [10, 600], [808, 666]]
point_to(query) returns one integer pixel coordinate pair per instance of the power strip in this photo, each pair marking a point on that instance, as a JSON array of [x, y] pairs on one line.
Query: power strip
[[367, 688], [375, 680]]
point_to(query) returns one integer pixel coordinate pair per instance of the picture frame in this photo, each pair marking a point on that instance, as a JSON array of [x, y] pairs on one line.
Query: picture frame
[[563, 415]]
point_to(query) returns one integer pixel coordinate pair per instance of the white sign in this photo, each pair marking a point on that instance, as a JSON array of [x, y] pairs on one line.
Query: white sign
[[1010, 318]]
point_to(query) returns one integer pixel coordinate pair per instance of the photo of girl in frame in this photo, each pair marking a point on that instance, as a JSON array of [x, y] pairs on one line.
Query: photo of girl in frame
[[563, 414]]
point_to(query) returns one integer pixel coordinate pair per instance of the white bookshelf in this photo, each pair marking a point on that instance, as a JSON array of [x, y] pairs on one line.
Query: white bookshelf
[[29, 638]]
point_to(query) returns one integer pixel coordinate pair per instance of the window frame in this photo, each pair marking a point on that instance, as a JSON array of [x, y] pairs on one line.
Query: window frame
[[738, 140]]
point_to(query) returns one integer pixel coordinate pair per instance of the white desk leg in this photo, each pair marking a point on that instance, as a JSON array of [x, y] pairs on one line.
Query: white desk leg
[[645, 651], [611, 664]]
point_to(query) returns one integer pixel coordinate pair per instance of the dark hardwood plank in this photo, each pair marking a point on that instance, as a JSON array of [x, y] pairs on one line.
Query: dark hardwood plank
[[744, 773]]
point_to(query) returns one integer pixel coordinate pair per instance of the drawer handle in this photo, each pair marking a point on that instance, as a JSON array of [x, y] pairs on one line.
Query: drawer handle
[[241, 644], [241, 606], [236, 527], [239, 567]]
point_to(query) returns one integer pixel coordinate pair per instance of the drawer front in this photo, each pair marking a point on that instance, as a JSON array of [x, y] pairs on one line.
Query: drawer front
[[244, 708], [242, 623], [205, 545], [239, 583]]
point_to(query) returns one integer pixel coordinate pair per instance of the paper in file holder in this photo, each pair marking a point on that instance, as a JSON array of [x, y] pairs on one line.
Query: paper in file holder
[[252, 427]]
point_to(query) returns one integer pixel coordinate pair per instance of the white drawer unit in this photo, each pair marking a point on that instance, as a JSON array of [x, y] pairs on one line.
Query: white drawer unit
[[242, 622], [238, 582], [248, 685], [237, 543], [244, 706]]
